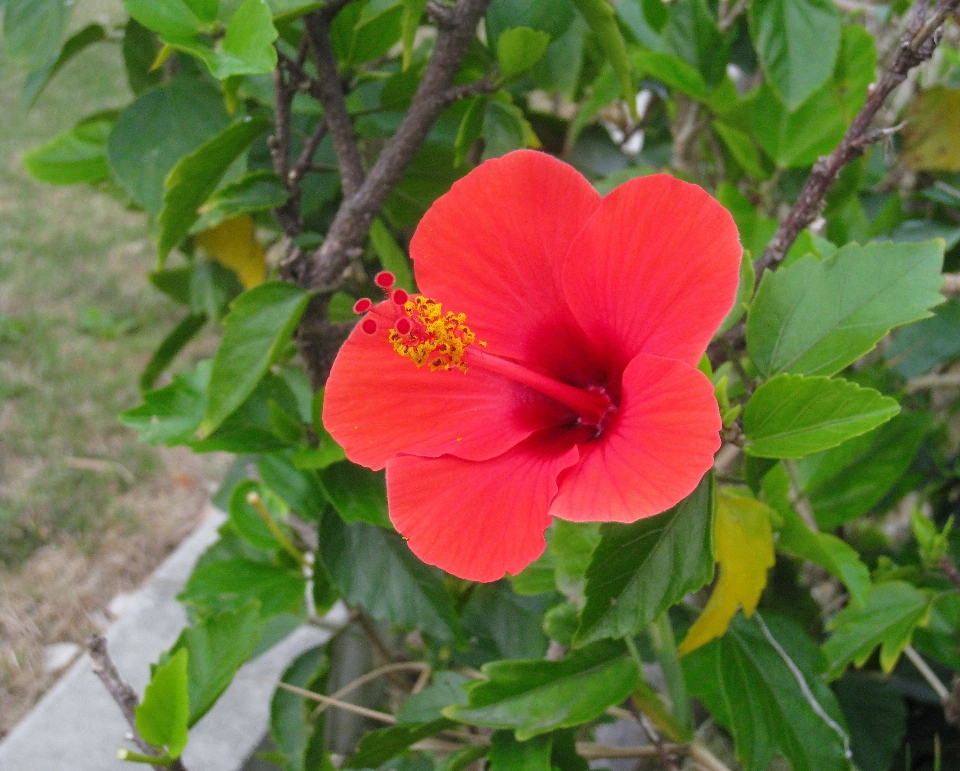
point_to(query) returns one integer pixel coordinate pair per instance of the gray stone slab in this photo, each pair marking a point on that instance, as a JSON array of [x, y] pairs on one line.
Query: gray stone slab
[[77, 727]]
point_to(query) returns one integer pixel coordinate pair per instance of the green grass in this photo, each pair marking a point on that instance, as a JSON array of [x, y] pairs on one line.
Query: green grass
[[78, 321]]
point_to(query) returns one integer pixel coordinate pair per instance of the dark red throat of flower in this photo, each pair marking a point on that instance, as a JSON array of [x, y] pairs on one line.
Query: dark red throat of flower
[[419, 330]]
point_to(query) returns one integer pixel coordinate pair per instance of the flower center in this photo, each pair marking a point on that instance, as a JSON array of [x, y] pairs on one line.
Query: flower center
[[419, 330]]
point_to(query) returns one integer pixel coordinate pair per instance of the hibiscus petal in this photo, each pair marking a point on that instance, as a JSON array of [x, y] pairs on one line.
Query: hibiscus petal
[[654, 271], [377, 404], [658, 446], [493, 248], [479, 520]]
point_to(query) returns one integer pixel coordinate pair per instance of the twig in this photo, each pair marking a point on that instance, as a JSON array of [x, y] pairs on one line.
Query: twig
[[927, 382], [121, 692], [352, 222], [346, 706], [928, 674], [727, 19], [799, 496], [949, 570], [374, 638], [402, 666], [329, 93], [916, 46], [482, 86]]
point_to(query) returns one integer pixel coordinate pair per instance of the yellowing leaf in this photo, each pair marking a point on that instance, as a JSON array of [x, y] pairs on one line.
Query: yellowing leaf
[[744, 544], [932, 133], [234, 245]]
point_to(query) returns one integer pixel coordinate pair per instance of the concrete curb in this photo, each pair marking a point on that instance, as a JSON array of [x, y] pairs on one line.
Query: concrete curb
[[77, 727]]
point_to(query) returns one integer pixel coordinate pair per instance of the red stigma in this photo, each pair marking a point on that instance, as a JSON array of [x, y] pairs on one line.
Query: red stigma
[[403, 326], [369, 326], [400, 296], [385, 279], [362, 305]]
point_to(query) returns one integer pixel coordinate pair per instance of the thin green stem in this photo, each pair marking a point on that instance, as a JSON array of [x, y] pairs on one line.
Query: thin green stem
[[665, 648], [257, 502], [151, 760]]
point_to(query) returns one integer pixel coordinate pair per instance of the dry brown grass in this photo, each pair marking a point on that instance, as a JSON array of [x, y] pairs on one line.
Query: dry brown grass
[[62, 592]]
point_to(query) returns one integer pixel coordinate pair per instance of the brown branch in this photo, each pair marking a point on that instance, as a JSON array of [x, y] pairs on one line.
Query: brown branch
[[329, 92], [916, 46], [125, 697], [352, 223], [288, 213], [482, 86], [949, 570]]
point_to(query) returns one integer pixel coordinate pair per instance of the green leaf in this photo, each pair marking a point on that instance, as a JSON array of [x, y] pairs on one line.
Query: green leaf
[[412, 11], [741, 303], [784, 32], [172, 344], [550, 16], [246, 47], [377, 747], [217, 646], [391, 255], [571, 549], [192, 181], [816, 317], [756, 230], [847, 481], [358, 494], [742, 148], [503, 129], [170, 415], [37, 80], [229, 584], [32, 30], [796, 139], [157, 130], [920, 347], [162, 716], [762, 681], [246, 520], [172, 17], [255, 192], [692, 34], [471, 128], [503, 625], [292, 726], [535, 697], [140, 50], [447, 689], [375, 569], [518, 49], [876, 716], [672, 70], [891, 612], [508, 754], [75, 156], [824, 549], [792, 415], [256, 330], [248, 43], [300, 489], [640, 570]]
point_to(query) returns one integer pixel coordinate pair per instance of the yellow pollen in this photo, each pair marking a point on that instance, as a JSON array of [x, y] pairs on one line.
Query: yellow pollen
[[436, 339]]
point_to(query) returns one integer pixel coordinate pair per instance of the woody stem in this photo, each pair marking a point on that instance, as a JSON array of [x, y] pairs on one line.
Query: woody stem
[[589, 405]]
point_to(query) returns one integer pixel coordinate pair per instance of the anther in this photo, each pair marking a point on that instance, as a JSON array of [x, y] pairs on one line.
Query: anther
[[399, 296], [369, 326], [385, 279], [362, 305]]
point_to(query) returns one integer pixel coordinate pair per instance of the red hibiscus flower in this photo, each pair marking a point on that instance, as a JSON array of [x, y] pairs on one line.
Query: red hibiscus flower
[[548, 369]]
